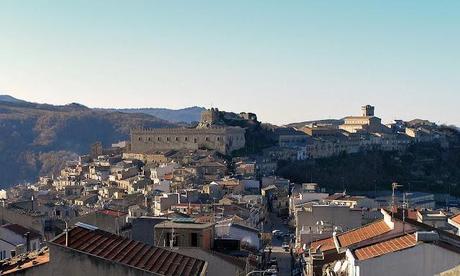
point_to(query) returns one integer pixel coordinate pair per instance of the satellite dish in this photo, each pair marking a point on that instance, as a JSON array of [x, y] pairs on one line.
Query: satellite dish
[[337, 266]]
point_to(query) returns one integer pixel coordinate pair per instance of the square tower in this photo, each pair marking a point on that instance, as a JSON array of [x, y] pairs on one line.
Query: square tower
[[367, 111]]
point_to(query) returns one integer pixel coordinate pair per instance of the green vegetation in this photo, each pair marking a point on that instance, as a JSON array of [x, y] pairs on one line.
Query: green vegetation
[[423, 167]]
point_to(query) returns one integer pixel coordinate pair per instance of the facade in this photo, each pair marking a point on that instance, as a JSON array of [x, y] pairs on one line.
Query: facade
[[313, 220], [185, 233], [367, 122], [224, 139]]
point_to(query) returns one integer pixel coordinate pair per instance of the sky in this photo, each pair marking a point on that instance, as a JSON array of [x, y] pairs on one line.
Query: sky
[[287, 61]]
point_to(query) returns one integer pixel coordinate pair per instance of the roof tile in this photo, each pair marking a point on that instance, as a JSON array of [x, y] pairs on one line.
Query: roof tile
[[128, 252], [385, 247], [363, 233]]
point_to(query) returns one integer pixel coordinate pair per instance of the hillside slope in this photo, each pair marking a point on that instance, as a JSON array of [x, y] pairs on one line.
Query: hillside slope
[[33, 135], [184, 115]]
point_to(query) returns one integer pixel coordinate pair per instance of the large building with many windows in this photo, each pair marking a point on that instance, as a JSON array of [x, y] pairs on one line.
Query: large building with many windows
[[208, 135]]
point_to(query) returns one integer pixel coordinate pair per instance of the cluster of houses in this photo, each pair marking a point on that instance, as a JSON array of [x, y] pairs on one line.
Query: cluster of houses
[[195, 211], [353, 134], [189, 199], [349, 235]]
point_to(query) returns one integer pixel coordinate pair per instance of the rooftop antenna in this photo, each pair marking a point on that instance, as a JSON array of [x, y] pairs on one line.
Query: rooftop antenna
[[66, 234], [405, 206], [172, 239], [394, 186]]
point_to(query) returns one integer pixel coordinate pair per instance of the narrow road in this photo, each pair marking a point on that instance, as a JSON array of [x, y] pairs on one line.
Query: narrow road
[[283, 257]]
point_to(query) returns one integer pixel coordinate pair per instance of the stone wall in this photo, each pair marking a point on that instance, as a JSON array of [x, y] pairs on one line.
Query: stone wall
[[222, 139]]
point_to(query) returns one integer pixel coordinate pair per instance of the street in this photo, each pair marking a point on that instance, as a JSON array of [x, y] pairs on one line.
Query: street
[[283, 257]]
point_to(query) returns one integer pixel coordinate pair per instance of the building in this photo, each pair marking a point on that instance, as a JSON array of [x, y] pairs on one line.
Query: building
[[419, 253], [87, 250], [208, 135], [394, 245], [112, 221], [455, 222], [249, 237], [184, 233], [29, 263], [351, 201], [367, 122], [218, 263], [315, 221], [143, 229], [16, 239]]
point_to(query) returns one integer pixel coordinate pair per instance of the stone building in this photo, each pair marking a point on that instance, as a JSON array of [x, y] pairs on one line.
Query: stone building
[[367, 122], [208, 135]]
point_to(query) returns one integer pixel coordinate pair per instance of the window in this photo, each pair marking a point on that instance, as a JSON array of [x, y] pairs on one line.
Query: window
[[186, 138], [195, 140], [167, 139], [158, 138], [194, 239], [140, 138], [177, 139], [150, 139], [34, 246], [207, 138]]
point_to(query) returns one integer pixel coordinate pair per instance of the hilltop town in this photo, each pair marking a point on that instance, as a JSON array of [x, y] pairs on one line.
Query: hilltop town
[[207, 199]]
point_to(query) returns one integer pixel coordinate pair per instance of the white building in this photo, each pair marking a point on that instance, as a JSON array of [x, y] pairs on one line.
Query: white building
[[418, 254], [247, 235]]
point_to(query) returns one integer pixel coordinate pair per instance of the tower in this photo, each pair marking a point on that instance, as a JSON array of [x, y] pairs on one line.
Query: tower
[[367, 110], [210, 116]]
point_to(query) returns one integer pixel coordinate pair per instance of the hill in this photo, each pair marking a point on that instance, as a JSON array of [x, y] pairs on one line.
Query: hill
[[36, 137], [184, 115], [423, 167], [9, 99]]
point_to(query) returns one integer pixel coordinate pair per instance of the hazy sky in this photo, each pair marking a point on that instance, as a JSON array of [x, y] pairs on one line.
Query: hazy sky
[[285, 60]]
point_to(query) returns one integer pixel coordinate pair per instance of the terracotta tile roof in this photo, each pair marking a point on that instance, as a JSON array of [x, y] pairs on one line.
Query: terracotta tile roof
[[363, 233], [456, 218], [385, 247], [323, 245], [131, 253], [18, 264]]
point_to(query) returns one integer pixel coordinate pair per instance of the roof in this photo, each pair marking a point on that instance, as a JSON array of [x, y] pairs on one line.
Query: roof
[[25, 261], [183, 225], [21, 231], [456, 218], [363, 233], [323, 245], [341, 196], [385, 247], [241, 226], [112, 213], [131, 253]]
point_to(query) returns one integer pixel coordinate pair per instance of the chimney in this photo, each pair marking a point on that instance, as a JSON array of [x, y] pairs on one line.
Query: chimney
[[27, 236]]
